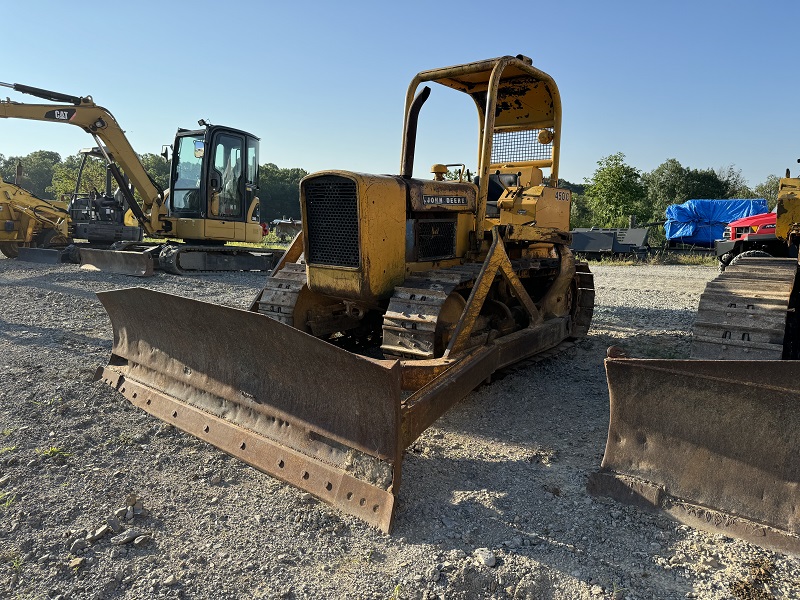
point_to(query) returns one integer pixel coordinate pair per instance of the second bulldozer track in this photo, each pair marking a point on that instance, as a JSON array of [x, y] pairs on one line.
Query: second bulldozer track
[[743, 312]]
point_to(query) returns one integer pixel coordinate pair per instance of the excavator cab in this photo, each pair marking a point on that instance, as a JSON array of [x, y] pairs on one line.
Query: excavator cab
[[213, 183]]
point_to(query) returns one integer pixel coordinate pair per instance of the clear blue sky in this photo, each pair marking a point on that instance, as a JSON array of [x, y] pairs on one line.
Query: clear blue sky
[[323, 83]]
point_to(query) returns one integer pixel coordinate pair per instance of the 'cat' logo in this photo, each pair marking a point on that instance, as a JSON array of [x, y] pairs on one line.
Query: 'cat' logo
[[60, 114]]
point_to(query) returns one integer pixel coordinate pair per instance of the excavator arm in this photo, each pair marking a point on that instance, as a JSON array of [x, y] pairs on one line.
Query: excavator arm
[[101, 125]]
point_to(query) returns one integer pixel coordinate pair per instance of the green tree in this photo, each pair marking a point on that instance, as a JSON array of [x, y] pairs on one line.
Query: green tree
[[37, 170], [580, 214], [279, 191], [157, 168], [666, 184], [616, 192], [769, 190], [65, 175], [735, 183], [705, 184]]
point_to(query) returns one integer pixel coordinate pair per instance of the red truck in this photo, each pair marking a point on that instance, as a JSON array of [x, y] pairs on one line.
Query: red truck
[[752, 236]]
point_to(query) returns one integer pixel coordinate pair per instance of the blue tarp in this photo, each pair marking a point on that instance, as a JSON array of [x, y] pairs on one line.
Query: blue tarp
[[703, 221]]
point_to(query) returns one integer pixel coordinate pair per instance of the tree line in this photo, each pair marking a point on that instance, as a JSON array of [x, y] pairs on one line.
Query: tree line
[[47, 176], [616, 191]]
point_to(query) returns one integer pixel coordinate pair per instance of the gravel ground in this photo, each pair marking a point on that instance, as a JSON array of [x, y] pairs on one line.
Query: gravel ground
[[493, 503]]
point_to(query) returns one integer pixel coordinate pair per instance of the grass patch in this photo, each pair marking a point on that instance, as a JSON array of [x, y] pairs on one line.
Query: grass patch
[[7, 431], [53, 452], [659, 258], [5, 449], [7, 499], [49, 401], [270, 241], [13, 559]]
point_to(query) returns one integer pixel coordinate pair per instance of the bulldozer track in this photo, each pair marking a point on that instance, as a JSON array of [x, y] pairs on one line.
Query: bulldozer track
[[743, 312], [281, 291], [412, 317], [410, 322]]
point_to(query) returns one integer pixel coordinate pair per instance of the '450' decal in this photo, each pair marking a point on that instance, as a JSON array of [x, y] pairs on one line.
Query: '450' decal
[[60, 114]]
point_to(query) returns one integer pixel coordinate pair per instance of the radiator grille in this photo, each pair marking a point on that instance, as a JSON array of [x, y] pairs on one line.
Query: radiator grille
[[519, 146], [332, 221], [436, 239]]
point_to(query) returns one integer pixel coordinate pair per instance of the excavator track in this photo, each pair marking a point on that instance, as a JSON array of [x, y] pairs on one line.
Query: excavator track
[[141, 259], [180, 259], [743, 312]]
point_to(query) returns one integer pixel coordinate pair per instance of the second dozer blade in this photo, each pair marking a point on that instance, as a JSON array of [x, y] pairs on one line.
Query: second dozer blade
[[713, 443]]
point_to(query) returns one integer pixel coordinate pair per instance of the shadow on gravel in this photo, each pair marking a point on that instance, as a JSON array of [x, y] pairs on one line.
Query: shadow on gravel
[[507, 469], [48, 337]]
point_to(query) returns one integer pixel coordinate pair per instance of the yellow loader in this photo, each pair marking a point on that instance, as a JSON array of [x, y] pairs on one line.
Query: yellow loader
[[27, 221], [714, 441], [399, 296]]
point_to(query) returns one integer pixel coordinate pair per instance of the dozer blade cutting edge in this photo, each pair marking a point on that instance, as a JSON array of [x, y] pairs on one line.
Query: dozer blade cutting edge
[[714, 444], [323, 419]]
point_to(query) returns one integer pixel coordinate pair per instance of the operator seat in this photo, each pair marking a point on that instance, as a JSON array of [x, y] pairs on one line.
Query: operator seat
[[496, 190]]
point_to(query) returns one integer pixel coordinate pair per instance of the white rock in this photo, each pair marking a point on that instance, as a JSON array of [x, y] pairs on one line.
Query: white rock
[[485, 557]]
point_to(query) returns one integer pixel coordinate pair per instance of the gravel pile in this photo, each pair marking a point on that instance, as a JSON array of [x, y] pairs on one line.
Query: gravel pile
[[100, 500]]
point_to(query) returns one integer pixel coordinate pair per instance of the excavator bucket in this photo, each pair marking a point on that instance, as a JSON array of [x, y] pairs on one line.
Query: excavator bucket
[[138, 264], [714, 444]]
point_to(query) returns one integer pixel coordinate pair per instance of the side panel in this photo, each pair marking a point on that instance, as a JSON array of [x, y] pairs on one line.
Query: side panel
[[220, 230], [188, 229], [788, 217]]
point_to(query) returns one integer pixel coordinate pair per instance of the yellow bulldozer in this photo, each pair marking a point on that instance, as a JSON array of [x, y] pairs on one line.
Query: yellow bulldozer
[[29, 221], [399, 296], [211, 200], [714, 440]]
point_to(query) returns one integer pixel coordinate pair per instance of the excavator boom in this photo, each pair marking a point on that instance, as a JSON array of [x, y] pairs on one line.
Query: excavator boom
[[100, 124]]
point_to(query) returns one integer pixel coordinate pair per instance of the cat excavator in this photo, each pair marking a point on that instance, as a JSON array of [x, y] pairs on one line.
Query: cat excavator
[[398, 297], [211, 201], [714, 441]]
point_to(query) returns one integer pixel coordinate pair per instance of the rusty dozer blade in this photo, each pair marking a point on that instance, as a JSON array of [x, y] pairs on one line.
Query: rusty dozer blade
[[138, 264], [332, 431], [714, 444], [319, 417]]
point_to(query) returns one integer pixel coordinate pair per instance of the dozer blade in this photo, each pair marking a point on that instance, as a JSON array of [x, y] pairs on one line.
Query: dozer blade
[[291, 405], [46, 256], [138, 264], [715, 444]]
